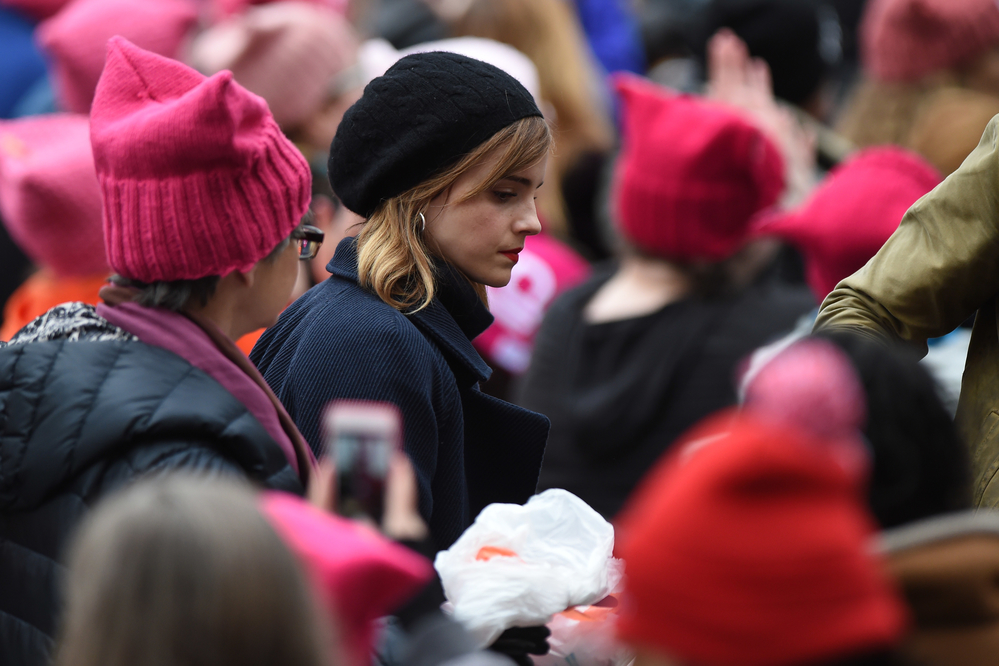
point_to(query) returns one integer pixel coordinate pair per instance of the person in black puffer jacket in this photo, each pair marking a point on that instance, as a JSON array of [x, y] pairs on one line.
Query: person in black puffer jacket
[[202, 221]]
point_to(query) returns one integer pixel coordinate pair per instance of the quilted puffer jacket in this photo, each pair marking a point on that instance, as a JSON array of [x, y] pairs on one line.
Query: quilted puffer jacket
[[85, 408]]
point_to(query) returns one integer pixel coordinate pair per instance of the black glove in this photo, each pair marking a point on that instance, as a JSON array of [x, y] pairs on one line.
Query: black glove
[[518, 642]]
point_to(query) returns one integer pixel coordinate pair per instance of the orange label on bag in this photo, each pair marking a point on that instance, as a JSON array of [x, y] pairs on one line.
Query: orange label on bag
[[487, 553]]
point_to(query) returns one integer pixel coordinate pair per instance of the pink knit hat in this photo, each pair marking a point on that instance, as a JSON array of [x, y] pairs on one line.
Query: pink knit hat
[[196, 177], [851, 215], [691, 174], [359, 575], [75, 39], [286, 52], [904, 40], [49, 198]]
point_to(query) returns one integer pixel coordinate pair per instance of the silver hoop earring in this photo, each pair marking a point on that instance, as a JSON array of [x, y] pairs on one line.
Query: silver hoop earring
[[424, 221]]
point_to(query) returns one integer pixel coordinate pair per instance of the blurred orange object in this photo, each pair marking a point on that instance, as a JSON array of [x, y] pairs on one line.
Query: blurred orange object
[[43, 291]]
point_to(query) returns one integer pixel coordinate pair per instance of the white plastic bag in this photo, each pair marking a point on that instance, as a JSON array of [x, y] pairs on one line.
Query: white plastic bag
[[517, 566]]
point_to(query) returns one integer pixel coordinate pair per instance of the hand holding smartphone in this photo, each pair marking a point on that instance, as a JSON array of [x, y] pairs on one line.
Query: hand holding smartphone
[[361, 439]]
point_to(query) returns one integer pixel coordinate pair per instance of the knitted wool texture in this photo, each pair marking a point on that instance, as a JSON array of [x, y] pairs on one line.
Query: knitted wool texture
[[49, 196], [850, 216], [422, 116], [196, 177], [750, 546], [691, 174], [76, 39], [905, 40], [287, 52]]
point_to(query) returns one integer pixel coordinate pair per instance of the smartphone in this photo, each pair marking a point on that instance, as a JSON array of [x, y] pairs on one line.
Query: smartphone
[[361, 438]]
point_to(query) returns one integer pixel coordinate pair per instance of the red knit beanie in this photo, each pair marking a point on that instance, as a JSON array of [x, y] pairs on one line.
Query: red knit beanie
[[851, 215], [196, 177], [691, 174], [49, 197], [76, 39], [905, 40], [750, 546]]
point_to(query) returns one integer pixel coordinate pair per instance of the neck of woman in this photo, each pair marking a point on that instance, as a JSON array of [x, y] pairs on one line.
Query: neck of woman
[[642, 285]]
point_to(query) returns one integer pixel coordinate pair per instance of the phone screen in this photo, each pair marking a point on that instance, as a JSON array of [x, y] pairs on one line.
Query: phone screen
[[362, 436]]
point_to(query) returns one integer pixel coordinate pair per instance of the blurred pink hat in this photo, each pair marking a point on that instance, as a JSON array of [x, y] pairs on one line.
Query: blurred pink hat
[[852, 213], [286, 52], [905, 40], [225, 8], [76, 39], [49, 197], [358, 574]]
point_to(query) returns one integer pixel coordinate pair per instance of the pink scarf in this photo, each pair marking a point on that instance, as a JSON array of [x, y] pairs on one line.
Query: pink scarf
[[204, 346]]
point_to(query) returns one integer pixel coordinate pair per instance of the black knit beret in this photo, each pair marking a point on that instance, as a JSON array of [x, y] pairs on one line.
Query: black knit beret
[[421, 117]]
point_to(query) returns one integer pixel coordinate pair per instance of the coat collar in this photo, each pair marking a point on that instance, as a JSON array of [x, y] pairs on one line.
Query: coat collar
[[451, 321]]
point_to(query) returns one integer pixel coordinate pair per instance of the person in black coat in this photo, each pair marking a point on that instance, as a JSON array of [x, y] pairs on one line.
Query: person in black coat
[[202, 227], [627, 362], [442, 156]]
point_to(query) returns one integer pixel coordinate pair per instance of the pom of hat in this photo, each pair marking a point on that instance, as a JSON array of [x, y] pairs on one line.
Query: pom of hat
[[76, 39], [851, 215], [286, 52], [196, 177], [691, 174], [749, 545], [905, 40], [425, 113], [359, 575], [49, 197]]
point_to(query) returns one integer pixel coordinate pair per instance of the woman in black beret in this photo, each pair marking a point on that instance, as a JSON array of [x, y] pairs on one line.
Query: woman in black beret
[[442, 156]]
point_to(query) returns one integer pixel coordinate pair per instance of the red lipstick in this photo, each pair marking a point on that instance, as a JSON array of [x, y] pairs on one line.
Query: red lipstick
[[512, 256]]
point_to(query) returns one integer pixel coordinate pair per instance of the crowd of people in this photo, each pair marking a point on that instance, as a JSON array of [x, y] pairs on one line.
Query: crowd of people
[[725, 270]]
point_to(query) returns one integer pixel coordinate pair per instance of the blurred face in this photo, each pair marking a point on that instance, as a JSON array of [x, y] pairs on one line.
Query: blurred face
[[483, 236]]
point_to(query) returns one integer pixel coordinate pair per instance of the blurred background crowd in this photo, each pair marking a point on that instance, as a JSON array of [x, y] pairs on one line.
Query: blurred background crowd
[[719, 167]]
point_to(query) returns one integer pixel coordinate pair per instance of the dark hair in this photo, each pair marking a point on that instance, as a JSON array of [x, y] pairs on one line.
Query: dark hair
[[921, 466], [175, 295]]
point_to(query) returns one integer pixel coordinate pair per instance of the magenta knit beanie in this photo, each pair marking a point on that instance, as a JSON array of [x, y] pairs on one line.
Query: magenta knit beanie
[[196, 177], [691, 174], [905, 40], [49, 197], [76, 38]]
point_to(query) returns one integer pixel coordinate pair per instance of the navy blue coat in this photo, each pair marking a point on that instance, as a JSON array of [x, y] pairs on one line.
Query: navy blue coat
[[340, 341]]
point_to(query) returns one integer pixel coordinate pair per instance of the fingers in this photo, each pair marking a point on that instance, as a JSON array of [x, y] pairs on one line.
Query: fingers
[[322, 485], [402, 519]]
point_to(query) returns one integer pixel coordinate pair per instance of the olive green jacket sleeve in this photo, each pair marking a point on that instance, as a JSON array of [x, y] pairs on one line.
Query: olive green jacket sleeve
[[938, 268]]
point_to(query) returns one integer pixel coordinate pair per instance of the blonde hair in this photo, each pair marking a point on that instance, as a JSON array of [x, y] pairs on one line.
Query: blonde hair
[[187, 571], [393, 259]]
